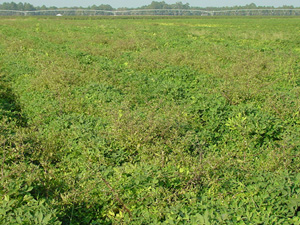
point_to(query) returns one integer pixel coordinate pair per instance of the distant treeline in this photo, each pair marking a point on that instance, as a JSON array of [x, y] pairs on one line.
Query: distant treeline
[[154, 5]]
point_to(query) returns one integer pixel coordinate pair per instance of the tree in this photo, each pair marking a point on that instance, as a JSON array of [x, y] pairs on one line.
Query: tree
[[180, 5], [251, 6], [13, 6], [28, 7], [105, 7], [43, 7], [157, 5], [20, 6], [102, 7]]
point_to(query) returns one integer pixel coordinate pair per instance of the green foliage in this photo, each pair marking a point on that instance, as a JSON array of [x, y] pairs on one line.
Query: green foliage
[[149, 121], [26, 211], [262, 198]]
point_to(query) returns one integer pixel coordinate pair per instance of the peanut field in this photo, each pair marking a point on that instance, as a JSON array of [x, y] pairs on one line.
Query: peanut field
[[150, 120]]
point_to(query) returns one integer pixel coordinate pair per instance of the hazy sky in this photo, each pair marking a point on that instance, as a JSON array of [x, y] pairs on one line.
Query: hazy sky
[[135, 3]]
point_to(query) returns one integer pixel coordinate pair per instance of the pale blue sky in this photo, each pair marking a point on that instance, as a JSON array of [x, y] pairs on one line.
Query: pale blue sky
[[135, 3]]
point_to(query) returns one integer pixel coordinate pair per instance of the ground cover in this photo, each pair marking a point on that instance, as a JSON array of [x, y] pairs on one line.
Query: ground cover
[[149, 120]]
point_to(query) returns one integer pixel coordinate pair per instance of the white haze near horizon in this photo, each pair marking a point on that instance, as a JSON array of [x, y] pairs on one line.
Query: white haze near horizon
[[134, 3]]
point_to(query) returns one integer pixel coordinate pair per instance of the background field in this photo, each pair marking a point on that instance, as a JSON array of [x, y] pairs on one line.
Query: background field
[[150, 120]]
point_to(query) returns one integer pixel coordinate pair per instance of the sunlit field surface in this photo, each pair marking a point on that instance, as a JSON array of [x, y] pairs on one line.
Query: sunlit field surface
[[150, 120]]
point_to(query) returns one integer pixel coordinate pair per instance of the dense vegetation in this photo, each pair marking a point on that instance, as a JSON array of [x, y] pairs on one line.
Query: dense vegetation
[[149, 121], [154, 8], [152, 5]]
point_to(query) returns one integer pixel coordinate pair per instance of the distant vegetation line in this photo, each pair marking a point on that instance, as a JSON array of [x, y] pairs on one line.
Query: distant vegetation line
[[165, 12], [153, 5]]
